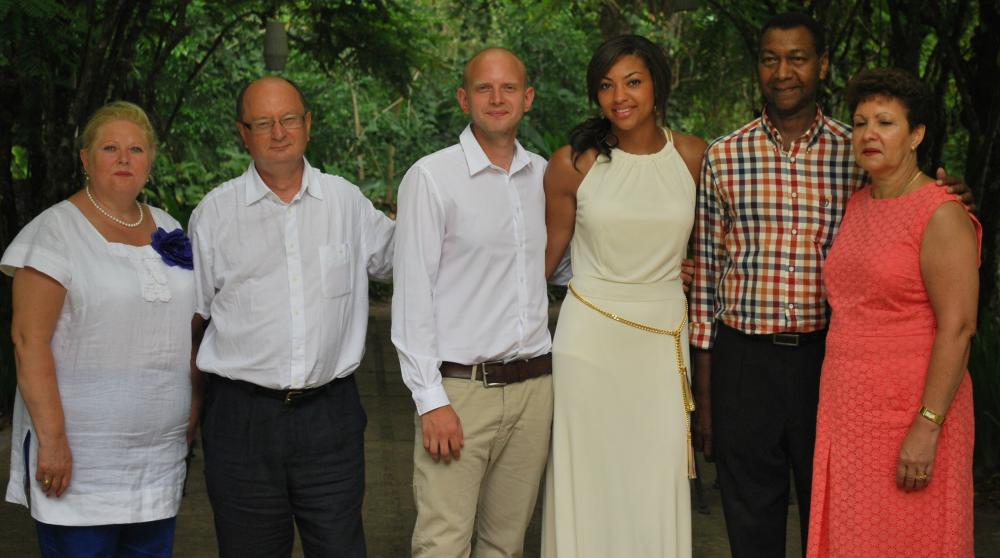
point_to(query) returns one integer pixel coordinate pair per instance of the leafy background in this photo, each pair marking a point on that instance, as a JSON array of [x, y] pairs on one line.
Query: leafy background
[[380, 76]]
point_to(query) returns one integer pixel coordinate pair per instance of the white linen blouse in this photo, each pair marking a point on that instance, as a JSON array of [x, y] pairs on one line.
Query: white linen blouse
[[122, 347]]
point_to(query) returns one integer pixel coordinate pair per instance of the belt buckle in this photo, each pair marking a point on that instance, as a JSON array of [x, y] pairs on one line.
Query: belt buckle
[[486, 378], [291, 394], [786, 339]]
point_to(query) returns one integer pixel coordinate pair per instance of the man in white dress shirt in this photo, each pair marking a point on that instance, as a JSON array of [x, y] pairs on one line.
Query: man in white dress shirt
[[469, 320], [282, 259]]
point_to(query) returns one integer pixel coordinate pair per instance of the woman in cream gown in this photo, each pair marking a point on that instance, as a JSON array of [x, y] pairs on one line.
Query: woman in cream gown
[[624, 192]]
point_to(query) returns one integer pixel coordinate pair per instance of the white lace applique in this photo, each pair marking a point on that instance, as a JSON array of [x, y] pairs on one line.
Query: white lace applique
[[149, 269], [154, 281]]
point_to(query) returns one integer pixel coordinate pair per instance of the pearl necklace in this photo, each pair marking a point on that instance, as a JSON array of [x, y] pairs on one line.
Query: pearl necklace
[[104, 212]]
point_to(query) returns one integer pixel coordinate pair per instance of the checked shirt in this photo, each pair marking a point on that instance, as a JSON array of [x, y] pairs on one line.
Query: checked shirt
[[766, 220]]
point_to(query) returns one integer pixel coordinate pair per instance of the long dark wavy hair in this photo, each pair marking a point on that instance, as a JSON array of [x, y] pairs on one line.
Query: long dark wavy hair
[[595, 133]]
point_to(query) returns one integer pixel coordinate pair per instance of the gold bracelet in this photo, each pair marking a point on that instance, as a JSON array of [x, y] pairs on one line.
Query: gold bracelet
[[931, 415]]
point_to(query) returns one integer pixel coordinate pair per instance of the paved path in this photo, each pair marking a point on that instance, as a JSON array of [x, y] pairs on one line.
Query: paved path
[[389, 512]]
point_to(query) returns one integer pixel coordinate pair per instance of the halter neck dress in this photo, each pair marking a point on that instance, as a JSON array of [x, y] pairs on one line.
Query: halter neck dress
[[617, 481]]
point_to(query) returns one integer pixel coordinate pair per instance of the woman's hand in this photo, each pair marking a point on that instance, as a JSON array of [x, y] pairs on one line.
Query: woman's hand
[[55, 466], [916, 456]]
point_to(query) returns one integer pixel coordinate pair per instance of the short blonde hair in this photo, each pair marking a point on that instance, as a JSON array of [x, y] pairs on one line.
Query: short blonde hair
[[118, 110]]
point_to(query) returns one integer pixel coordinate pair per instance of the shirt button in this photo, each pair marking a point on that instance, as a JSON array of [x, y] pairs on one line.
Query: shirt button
[[791, 307], [791, 268], [792, 160], [795, 232], [795, 194]]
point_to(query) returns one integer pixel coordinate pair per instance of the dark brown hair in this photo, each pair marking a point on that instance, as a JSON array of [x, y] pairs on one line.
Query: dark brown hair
[[893, 83]]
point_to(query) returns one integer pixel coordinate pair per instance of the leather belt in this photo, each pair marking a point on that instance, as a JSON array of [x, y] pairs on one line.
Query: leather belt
[[499, 373], [783, 339], [287, 396]]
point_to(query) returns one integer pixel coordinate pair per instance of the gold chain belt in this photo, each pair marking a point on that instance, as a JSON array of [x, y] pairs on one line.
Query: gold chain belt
[[686, 396]]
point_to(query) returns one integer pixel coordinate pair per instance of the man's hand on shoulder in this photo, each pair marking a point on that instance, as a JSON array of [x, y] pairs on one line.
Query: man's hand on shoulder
[[443, 437], [957, 186]]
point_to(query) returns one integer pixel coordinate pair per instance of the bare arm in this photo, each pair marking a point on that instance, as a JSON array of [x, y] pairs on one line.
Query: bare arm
[[37, 301], [692, 151], [562, 180], [948, 263], [198, 325]]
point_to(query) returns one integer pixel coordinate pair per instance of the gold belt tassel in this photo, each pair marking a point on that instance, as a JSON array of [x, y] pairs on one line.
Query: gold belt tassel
[[687, 398]]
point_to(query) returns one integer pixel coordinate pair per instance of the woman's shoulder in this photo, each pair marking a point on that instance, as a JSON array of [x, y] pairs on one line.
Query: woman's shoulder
[[689, 146], [567, 165], [692, 151], [45, 243], [163, 219], [55, 220], [566, 171]]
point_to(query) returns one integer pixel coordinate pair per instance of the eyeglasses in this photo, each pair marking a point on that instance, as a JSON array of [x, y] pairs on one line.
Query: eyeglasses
[[290, 122]]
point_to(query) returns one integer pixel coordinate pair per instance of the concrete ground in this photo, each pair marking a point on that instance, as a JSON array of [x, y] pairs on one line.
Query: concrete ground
[[389, 511]]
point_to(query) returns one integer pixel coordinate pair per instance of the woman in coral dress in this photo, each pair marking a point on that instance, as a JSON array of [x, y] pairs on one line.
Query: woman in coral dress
[[893, 461]]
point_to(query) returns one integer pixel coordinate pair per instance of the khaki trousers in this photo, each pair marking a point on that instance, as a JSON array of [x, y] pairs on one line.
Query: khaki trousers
[[507, 432]]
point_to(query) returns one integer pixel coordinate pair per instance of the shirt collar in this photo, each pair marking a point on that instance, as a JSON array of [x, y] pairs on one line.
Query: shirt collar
[[257, 190], [808, 137], [477, 160]]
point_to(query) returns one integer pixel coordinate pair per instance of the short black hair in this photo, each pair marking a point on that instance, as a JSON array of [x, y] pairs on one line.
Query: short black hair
[[893, 83], [791, 20], [243, 92]]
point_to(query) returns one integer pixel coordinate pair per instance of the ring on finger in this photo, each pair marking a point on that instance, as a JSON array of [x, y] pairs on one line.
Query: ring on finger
[[921, 476], [47, 482]]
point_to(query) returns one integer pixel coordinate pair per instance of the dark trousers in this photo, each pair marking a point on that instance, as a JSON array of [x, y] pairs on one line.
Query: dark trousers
[[764, 399], [268, 463], [151, 539]]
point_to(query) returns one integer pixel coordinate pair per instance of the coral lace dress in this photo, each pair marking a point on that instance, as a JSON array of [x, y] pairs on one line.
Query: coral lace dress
[[877, 352]]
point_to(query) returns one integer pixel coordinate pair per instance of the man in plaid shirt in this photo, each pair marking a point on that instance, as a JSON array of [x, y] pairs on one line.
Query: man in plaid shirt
[[772, 197]]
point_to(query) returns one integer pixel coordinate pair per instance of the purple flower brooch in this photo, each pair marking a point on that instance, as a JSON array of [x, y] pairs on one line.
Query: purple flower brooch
[[174, 247]]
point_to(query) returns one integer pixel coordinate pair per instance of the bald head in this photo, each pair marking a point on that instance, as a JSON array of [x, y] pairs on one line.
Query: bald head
[[492, 55], [267, 82]]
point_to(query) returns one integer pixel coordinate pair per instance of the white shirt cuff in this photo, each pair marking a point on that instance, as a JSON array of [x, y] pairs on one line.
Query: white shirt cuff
[[431, 398]]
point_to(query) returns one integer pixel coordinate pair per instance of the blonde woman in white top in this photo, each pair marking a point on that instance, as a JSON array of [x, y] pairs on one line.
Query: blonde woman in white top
[[103, 297]]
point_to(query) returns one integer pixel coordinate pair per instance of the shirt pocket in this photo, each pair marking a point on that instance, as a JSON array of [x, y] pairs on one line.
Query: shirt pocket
[[335, 269]]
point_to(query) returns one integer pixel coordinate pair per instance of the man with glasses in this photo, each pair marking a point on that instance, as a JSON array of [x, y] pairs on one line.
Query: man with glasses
[[282, 257]]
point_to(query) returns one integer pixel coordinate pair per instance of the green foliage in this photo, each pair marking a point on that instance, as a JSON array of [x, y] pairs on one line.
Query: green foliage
[[19, 162], [177, 187], [380, 76]]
